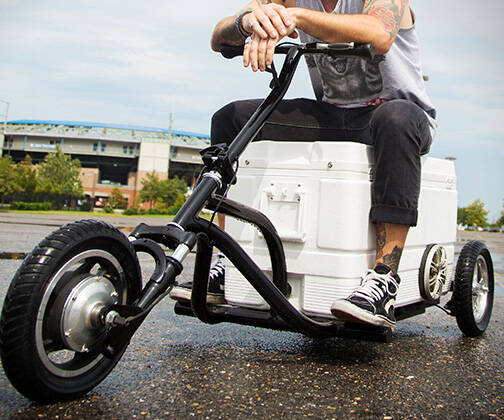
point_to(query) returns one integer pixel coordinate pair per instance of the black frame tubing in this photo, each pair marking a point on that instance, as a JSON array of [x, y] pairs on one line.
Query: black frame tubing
[[268, 291], [208, 185], [187, 216]]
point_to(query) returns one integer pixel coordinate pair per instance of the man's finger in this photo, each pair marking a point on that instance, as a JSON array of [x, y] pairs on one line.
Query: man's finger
[[253, 53], [266, 24], [246, 53], [261, 54], [270, 51], [283, 12], [252, 25], [277, 21]]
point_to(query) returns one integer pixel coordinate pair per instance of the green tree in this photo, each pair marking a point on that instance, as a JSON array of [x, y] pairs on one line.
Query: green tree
[[26, 176], [476, 215], [7, 176], [59, 174], [116, 199], [169, 192], [155, 191], [461, 216], [151, 189], [500, 220], [179, 184]]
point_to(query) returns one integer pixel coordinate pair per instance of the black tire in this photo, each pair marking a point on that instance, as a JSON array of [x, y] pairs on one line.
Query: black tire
[[473, 289], [47, 352]]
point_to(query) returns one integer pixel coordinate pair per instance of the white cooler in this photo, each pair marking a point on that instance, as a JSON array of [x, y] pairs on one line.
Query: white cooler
[[318, 196]]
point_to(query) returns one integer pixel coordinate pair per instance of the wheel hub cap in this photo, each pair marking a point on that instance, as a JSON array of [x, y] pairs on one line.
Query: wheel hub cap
[[480, 289], [80, 324]]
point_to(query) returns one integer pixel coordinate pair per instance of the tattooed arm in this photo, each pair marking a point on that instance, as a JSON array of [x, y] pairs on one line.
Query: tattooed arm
[[378, 24], [392, 14], [269, 19]]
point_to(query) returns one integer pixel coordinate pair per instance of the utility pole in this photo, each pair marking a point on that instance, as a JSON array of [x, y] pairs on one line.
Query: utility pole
[[6, 115], [170, 138]]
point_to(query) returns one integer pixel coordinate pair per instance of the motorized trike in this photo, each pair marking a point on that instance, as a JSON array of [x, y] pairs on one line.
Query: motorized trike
[[78, 297]]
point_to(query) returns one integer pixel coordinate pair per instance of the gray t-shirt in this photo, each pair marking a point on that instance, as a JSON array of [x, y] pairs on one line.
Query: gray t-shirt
[[352, 81]]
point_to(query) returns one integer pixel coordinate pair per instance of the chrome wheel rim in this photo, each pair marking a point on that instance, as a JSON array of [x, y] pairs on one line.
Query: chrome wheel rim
[[435, 272], [64, 339], [480, 289]]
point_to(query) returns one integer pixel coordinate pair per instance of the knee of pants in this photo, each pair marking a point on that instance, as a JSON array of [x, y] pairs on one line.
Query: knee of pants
[[396, 123], [221, 121]]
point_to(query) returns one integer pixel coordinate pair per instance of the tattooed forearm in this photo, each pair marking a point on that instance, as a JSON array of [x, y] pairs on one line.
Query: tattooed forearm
[[230, 35], [226, 33], [388, 12]]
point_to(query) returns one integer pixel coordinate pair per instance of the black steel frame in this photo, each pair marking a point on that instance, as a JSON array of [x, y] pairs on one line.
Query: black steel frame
[[188, 229]]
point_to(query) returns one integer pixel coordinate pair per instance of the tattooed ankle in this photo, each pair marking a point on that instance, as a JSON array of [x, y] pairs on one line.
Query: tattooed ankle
[[392, 260]]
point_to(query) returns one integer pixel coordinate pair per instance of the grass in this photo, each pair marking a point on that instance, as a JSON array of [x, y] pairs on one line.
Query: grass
[[81, 213], [86, 214]]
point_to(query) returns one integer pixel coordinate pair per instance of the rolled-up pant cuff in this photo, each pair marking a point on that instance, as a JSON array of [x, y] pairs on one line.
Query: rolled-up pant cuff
[[391, 214]]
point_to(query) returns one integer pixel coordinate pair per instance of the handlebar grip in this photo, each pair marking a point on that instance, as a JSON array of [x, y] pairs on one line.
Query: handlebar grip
[[342, 49], [230, 51], [364, 50]]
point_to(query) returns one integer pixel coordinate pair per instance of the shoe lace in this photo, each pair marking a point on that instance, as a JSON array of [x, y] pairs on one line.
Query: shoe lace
[[218, 269], [371, 291]]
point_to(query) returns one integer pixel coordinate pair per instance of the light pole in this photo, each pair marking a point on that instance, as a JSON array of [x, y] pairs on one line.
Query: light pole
[[5, 115], [2, 136]]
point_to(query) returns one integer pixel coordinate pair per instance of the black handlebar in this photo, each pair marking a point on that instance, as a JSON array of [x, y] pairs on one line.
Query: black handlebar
[[346, 49]]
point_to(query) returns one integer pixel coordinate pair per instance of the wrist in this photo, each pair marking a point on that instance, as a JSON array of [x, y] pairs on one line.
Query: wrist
[[296, 16], [239, 23]]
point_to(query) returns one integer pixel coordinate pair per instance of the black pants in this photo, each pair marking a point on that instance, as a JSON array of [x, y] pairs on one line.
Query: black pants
[[398, 130]]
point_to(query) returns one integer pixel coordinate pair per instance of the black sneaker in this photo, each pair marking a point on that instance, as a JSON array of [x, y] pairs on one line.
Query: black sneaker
[[215, 295], [373, 302]]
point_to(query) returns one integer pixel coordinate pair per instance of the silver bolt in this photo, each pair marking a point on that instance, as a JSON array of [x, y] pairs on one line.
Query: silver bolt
[[110, 318], [114, 294], [74, 298], [330, 165], [67, 333], [84, 349]]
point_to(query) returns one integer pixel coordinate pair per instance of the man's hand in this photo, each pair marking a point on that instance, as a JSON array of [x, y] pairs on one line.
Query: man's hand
[[259, 49], [267, 21]]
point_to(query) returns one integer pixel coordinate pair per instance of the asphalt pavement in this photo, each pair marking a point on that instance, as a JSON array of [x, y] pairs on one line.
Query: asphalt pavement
[[178, 367]]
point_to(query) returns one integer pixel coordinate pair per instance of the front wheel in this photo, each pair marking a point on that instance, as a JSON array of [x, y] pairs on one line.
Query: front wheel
[[50, 330], [473, 289]]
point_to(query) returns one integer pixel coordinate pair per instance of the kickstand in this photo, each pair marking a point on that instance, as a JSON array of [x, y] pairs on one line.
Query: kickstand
[[449, 308]]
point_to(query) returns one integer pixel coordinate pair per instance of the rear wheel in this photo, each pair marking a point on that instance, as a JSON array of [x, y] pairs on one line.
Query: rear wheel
[[50, 330], [473, 289], [433, 273]]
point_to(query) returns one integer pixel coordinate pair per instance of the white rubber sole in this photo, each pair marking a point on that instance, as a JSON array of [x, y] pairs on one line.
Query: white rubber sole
[[348, 312]]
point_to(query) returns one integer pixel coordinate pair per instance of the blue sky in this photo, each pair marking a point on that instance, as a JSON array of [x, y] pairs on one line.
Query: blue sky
[[134, 62]]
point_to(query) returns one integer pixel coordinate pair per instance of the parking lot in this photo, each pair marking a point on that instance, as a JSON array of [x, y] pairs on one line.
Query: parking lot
[[177, 367]]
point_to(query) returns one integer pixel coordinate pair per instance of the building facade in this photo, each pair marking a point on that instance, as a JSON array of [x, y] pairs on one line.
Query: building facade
[[111, 155]]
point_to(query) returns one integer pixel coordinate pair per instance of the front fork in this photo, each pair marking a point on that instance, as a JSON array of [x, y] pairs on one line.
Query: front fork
[[123, 320], [146, 238]]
